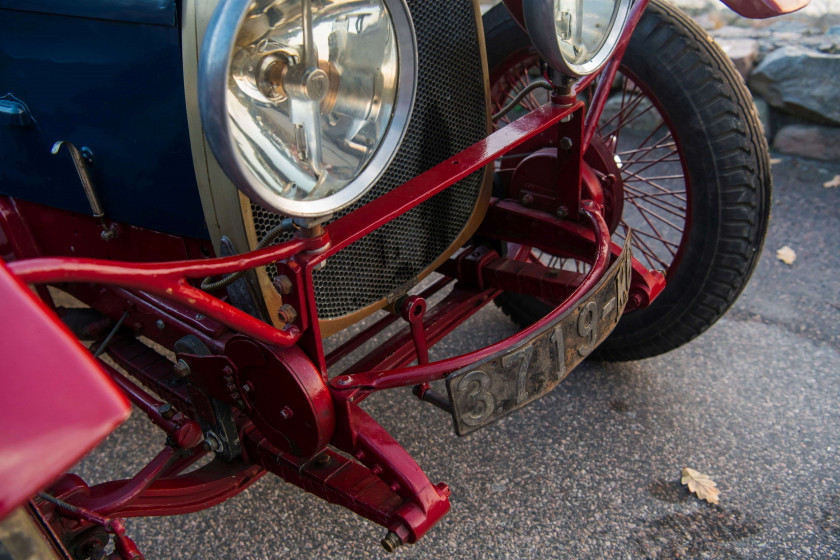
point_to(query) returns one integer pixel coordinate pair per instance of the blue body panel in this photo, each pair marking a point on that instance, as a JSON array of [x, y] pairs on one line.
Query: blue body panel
[[108, 83], [155, 12]]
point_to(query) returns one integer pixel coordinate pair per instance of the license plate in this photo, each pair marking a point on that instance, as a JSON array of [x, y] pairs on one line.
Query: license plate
[[485, 391]]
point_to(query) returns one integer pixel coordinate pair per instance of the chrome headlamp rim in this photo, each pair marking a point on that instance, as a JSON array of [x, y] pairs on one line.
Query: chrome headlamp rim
[[213, 73], [539, 22]]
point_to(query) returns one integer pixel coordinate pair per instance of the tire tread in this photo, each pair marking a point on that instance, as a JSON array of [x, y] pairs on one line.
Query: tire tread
[[725, 113]]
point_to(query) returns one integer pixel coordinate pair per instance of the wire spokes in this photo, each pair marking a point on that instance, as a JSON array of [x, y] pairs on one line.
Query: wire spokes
[[656, 189]]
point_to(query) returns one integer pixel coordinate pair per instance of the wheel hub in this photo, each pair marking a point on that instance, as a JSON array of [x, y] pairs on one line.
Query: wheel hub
[[600, 157]]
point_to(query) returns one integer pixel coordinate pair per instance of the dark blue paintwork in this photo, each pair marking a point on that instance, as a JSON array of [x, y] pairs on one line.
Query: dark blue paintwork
[[113, 86], [154, 12]]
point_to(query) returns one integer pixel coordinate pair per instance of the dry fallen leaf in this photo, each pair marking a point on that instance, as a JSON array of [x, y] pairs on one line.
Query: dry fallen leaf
[[775, 160], [786, 255], [700, 484], [833, 183]]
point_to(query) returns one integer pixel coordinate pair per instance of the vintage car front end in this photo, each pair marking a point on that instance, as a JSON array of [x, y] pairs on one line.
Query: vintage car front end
[[237, 181], [333, 155]]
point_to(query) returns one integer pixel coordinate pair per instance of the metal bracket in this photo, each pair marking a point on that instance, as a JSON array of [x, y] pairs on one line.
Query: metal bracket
[[81, 159]]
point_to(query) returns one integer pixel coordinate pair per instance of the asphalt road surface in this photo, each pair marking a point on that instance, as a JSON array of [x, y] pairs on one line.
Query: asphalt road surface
[[592, 469]]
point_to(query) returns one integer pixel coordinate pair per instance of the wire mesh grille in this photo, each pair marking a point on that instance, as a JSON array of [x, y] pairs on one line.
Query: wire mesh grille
[[449, 115]]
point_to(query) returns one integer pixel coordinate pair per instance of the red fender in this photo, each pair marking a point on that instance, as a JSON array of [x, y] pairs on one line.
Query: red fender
[[56, 403], [760, 9]]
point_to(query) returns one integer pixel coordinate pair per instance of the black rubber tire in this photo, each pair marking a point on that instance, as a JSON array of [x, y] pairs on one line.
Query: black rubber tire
[[728, 167]]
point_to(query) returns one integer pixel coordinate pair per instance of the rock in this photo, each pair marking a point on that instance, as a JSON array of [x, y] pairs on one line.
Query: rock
[[780, 119], [712, 18], [829, 46], [800, 81], [788, 25], [742, 52], [706, 21], [764, 115], [734, 32], [810, 141]]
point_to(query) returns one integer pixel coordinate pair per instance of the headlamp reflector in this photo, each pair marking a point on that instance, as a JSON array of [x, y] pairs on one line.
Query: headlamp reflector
[[575, 37], [305, 102]]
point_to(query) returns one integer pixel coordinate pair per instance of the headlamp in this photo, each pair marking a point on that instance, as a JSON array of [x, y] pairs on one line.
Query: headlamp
[[575, 37], [305, 102]]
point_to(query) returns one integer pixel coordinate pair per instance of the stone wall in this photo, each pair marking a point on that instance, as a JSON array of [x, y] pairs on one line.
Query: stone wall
[[792, 66]]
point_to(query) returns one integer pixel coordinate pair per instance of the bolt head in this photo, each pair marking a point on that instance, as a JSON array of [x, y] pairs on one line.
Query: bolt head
[[166, 410], [286, 413], [391, 542], [562, 212], [317, 84], [344, 380], [283, 285], [212, 442], [566, 143], [182, 368], [287, 313], [160, 324]]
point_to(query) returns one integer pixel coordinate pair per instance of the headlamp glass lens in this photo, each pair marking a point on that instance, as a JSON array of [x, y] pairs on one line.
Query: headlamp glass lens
[[582, 27], [312, 91]]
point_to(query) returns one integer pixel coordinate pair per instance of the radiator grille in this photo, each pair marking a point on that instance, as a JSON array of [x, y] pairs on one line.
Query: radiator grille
[[449, 115]]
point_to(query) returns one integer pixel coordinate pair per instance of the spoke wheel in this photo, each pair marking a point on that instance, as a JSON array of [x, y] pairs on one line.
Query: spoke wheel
[[694, 168], [654, 183]]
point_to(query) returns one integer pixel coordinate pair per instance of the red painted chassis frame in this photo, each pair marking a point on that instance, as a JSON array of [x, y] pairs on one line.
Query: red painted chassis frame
[[390, 488], [384, 484]]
